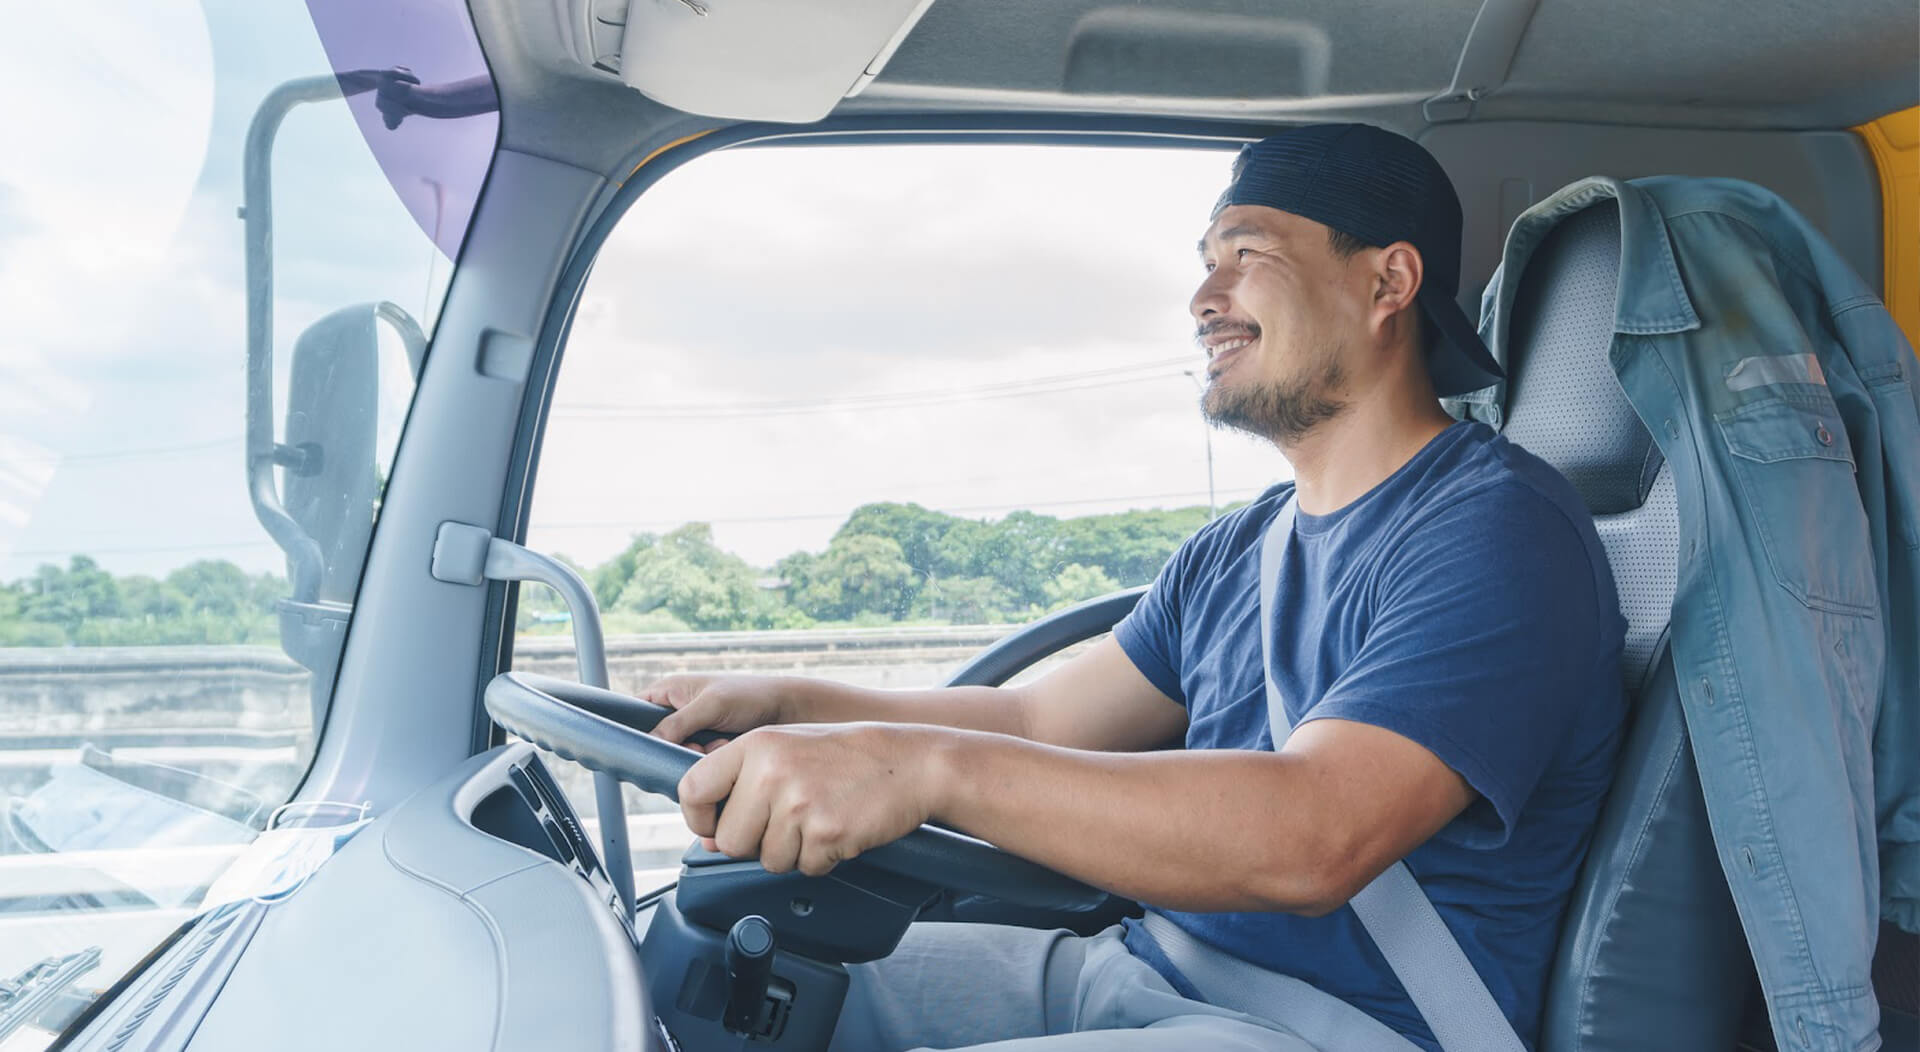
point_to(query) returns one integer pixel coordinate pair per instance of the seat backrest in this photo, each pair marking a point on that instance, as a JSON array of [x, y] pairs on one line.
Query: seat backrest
[[1651, 955]]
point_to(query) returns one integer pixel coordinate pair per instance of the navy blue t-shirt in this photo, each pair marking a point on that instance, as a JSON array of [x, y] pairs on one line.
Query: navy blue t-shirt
[[1464, 603]]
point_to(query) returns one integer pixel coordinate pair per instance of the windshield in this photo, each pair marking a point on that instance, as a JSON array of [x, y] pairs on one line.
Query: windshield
[[930, 424], [220, 277]]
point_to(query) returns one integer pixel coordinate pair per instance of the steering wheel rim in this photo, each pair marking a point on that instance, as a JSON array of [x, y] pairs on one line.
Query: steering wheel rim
[[605, 731]]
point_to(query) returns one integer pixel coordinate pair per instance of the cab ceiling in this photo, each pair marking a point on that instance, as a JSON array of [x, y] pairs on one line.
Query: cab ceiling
[[1733, 64], [1740, 63]]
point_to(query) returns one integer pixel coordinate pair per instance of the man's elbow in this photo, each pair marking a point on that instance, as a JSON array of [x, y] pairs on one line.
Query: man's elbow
[[1311, 883]]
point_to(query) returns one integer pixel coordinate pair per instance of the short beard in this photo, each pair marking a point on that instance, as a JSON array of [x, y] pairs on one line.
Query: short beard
[[1282, 411]]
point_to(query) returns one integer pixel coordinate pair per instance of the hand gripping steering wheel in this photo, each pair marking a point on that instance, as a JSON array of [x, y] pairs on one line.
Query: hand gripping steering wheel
[[607, 732]]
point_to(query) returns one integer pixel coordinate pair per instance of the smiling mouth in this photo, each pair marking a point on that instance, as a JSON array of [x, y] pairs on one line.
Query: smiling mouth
[[1220, 353]]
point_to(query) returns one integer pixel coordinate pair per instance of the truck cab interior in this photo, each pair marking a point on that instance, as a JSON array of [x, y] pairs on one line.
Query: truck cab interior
[[472, 906]]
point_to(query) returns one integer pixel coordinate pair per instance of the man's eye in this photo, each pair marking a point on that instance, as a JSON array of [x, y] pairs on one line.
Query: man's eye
[[1241, 253]]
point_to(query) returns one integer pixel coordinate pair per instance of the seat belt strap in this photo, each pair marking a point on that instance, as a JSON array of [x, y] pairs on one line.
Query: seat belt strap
[[1398, 916], [1310, 1013]]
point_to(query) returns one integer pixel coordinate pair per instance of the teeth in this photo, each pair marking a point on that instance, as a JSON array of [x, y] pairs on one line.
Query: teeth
[[1231, 345]]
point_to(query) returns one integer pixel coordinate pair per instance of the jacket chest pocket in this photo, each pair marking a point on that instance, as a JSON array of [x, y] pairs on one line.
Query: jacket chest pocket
[[1796, 475]]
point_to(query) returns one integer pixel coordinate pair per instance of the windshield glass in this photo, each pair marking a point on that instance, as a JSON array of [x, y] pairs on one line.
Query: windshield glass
[[941, 406], [219, 278]]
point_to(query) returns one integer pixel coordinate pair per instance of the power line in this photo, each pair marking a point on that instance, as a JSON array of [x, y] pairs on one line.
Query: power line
[[718, 412], [1061, 383], [1111, 370], [889, 400], [212, 549], [132, 452], [816, 516]]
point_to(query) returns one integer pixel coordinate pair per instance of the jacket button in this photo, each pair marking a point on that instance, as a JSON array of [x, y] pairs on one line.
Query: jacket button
[[1673, 429], [1825, 436]]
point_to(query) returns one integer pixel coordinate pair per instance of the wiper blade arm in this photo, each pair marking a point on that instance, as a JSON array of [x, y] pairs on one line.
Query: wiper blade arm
[[34, 992]]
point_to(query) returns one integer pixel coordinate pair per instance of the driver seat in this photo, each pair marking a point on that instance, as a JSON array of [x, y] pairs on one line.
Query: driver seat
[[1651, 955]]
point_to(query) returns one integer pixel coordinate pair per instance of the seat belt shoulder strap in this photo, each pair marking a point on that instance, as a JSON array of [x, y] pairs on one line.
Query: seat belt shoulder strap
[[1397, 915]]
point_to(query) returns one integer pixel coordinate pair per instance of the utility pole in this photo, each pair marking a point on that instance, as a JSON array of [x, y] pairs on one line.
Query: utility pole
[[1207, 427]]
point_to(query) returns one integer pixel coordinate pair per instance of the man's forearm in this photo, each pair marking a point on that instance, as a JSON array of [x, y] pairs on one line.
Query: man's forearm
[[994, 710], [1196, 830]]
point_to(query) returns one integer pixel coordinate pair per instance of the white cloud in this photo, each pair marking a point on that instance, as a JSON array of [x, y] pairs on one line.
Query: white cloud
[[122, 282], [979, 251], [107, 123], [776, 274], [839, 274]]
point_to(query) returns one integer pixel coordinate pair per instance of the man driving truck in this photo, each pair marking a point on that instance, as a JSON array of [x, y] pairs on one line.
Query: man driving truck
[[1380, 807]]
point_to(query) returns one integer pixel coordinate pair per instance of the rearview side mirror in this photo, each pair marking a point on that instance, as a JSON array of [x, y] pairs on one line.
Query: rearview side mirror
[[319, 505], [328, 459]]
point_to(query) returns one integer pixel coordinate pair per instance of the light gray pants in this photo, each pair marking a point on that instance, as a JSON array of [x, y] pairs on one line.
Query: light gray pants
[[1023, 990]]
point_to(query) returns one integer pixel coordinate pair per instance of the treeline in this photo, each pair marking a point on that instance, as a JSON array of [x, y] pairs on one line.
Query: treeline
[[887, 564], [209, 601]]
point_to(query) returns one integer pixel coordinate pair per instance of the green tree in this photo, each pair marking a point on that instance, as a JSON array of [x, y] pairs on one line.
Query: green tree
[[146, 600], [71, 596], [969, 601], [1130, 546], [858, 573], [922, 535], [1075, 583], [1021, 551], [610, 578], [16, 631], [266, 590], [685, 574], [215, 586]]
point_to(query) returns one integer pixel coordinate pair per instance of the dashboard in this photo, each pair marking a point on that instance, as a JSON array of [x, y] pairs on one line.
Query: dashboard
[[529, 810], [472, 916]]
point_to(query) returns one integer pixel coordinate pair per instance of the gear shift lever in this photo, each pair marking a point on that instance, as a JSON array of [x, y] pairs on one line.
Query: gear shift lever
[[749, 969]]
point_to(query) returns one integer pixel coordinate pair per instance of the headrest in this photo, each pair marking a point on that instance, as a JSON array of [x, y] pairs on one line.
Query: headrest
[[1564, 403]]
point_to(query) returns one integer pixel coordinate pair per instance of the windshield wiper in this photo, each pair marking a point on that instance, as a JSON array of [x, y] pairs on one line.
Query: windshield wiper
[[40, 996]]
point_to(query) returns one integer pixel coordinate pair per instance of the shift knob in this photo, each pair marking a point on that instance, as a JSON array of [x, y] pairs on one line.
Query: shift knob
[[749, 968]]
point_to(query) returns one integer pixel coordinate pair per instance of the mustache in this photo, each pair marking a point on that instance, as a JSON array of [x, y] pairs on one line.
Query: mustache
[[1224, 326]]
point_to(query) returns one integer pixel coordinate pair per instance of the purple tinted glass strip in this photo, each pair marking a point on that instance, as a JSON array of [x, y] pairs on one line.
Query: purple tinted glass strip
[[421, 93]]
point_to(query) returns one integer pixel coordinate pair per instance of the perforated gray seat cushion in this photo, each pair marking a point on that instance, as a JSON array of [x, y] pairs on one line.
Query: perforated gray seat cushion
[[1564, 403], [1643, 550], [1566, 407], [1651, 957]]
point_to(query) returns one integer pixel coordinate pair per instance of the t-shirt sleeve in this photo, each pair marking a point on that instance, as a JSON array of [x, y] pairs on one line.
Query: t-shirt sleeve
[[1150, 633], [1487, 633]]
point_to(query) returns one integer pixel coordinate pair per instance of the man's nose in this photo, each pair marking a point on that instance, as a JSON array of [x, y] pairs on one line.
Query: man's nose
[[1210, 299]]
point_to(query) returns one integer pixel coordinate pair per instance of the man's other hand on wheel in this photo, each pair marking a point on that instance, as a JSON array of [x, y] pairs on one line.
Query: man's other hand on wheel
[[809, 797]]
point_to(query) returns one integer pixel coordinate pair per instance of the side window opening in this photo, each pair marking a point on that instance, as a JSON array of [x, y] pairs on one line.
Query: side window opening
[[858, 412], [186, 497]]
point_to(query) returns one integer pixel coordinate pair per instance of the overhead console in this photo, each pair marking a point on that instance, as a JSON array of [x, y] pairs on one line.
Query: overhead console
[[762, 60]]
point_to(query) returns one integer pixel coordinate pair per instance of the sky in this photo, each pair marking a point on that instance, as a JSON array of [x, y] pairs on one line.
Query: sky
[[770, 338], [122, 282]]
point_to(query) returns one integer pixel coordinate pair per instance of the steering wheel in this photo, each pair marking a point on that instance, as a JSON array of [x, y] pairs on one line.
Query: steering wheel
[[606, 732]]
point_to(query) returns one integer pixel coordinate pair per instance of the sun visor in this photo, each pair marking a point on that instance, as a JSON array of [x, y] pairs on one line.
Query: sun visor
[[766, 60]]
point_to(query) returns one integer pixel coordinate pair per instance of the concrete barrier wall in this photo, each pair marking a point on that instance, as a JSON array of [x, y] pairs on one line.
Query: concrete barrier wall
[[241, 714]]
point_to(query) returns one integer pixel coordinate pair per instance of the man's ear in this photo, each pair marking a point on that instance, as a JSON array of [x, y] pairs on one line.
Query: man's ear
[[1398, 272]]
